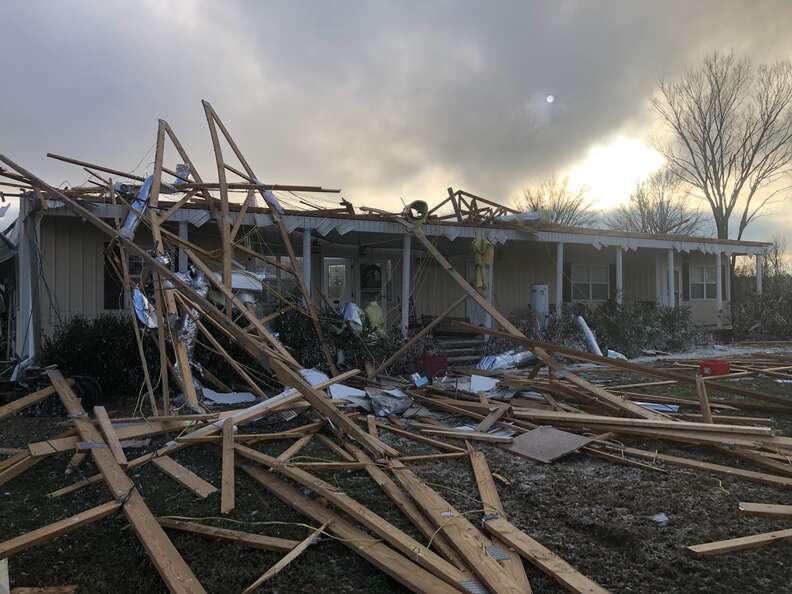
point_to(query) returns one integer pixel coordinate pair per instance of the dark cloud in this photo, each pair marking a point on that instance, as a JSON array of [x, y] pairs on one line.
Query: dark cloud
[[384, 99]]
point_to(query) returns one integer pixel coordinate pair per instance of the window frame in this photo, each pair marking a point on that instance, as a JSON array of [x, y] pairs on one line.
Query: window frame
[[704, 284], [589, 283]]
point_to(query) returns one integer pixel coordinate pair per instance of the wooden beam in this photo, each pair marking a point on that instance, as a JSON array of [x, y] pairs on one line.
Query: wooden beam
[[378, 525], [543, 558], [463, 536], [174, 571], [488, 494], [288, 558], [56, 529], [249, 539], [716, 468], [399, 567], [768, 510], [492, 418], [109, 434], [408, 508], [333, 446], [21, 404], [474, 435], [701, 390], [371, 425], [436, 443], [227, 497], [742, 543], [185, 476]]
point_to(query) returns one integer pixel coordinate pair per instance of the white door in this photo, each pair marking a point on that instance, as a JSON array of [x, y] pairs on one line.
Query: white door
[[337, 281]]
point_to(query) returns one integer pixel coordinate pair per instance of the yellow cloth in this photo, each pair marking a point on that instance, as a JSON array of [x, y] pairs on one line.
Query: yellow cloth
[[484, 253], [375, 317]]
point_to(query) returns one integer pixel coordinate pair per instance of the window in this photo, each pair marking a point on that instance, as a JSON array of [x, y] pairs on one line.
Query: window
[[702, 282], [590, 283], [115, 297]]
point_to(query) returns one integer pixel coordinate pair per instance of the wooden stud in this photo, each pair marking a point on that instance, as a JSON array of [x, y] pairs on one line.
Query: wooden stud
[[227, 496], [56, 529], [742, 543], [768, 510], [463, 536], [249, 539], [184, 476], [371, 425], [399, 567], [488, 494], [21, 404], [174, 571], [543, 558], [701, 390], [288, 558], [110, 436], [378, 525]]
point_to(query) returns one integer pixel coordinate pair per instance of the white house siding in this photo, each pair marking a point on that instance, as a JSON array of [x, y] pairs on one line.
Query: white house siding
[[518, 266]]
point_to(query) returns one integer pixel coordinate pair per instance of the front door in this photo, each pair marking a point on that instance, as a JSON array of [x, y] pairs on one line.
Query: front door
[[337, 281]]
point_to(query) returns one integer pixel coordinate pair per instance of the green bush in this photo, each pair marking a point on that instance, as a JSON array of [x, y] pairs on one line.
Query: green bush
[[103, 348], [628, 328], [763, 317]]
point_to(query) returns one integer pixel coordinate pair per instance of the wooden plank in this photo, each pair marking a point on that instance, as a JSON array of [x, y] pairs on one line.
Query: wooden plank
[[463, 536], [488, 494], [70, 589], [716, 468], [440, 445], [701, 390], [288, 558], [587, 419], [110, 436], [56, 529], [770, 510], [742, 543], [474, 435], [184, 476], [284, 232], [543, 558], [22, 464], [5, 585], [378, 525], [398, 566], [324, 407], [493, 417], [408, 508], [21, 404], [371, 425], [174, 571], [289, 452], [249, 539], [227, 496]]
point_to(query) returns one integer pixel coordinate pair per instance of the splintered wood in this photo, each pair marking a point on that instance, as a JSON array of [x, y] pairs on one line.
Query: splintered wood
[[553, 411]]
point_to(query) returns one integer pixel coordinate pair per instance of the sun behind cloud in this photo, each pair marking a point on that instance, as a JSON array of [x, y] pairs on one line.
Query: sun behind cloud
[[611, 170]]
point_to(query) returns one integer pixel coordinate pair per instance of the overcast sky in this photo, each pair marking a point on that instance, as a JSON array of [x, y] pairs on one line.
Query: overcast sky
[[387, 100]]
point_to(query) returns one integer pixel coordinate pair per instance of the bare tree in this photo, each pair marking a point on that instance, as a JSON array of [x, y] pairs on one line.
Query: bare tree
[[559, 203], [732, 128], [658, 205]]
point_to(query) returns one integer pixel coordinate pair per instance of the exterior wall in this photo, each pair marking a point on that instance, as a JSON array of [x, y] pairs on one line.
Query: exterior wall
[[72, 254]]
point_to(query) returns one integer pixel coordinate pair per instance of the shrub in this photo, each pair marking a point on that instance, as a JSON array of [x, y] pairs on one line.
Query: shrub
[[103, 348], [763, 317], [628, 328]]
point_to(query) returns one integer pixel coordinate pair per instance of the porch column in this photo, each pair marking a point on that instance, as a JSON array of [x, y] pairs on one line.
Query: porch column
[[559, 288], [670, 296], [619, 275], [183, 234], [490, 290], [405, 283], [306, 262], [727, 296], [759, 273], [718, 288]]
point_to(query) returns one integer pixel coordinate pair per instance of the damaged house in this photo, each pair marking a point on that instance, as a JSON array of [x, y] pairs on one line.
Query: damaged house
[[348, 256]]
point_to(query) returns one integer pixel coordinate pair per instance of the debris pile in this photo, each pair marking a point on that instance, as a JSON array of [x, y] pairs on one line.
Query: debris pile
[[540, 402]]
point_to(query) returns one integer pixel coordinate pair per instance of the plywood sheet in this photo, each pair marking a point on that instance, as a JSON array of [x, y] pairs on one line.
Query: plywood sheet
[[546, 444]]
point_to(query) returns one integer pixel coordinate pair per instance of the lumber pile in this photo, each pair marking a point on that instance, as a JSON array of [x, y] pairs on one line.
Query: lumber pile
[[553, 411]]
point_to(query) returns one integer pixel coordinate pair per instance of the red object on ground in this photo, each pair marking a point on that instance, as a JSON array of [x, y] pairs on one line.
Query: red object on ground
[[713, 367], [433, 365]]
